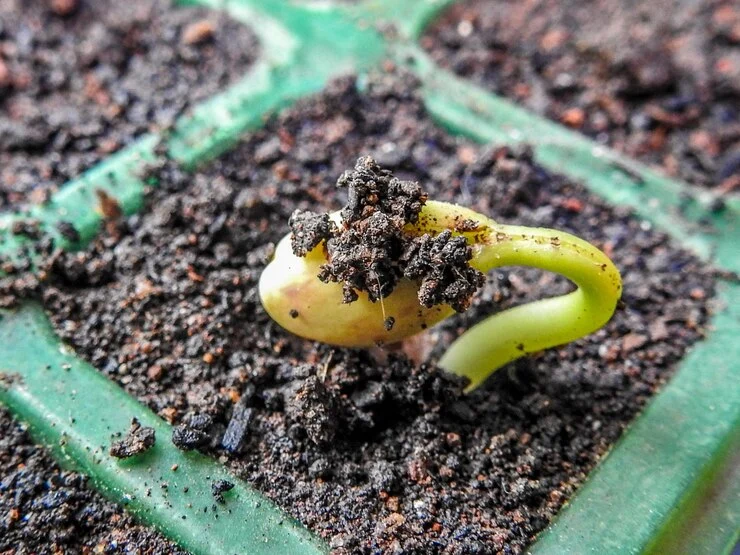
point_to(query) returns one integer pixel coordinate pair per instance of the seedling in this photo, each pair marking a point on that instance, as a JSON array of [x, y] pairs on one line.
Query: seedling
[[332, 309]]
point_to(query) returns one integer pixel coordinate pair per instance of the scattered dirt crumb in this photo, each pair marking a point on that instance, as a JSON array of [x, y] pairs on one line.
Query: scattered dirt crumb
[[219, 487], [138, 439], [193, 432], [108, 205]]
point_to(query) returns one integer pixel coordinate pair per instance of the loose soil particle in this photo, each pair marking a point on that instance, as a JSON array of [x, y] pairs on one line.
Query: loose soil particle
[[80, 80], [192, 432], [219, 487], [137, 440], [368, 448], [657, 80]]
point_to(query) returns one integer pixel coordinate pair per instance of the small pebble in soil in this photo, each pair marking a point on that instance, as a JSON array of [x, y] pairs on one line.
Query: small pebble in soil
[[198, 32], [137, 440], [64, 7]]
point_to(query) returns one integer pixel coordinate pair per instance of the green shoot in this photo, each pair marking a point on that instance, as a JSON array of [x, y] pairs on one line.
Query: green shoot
[[297, 300]]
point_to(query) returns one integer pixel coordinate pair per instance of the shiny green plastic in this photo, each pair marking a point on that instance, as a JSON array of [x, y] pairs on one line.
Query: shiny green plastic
[[669, 486]]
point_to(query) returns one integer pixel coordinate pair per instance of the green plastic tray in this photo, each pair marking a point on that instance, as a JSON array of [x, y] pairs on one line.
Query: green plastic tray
[[670, 485]]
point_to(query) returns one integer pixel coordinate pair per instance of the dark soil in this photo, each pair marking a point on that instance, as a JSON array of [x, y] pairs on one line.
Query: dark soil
[[80, 79], [371, 449], [370, 250], [657, 80]]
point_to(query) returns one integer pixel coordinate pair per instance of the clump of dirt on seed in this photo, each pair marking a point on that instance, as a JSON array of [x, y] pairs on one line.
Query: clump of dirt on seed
[[371, 251]]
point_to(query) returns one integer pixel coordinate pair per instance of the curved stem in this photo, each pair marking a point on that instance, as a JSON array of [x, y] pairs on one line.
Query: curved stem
[[541, 324]]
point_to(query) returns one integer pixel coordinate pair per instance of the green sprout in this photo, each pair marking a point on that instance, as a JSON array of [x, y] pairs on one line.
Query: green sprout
[[306, 306]]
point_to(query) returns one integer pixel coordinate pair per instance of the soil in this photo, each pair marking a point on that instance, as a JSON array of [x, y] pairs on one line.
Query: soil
[[659, 81], [80, 79], [373, 449]]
